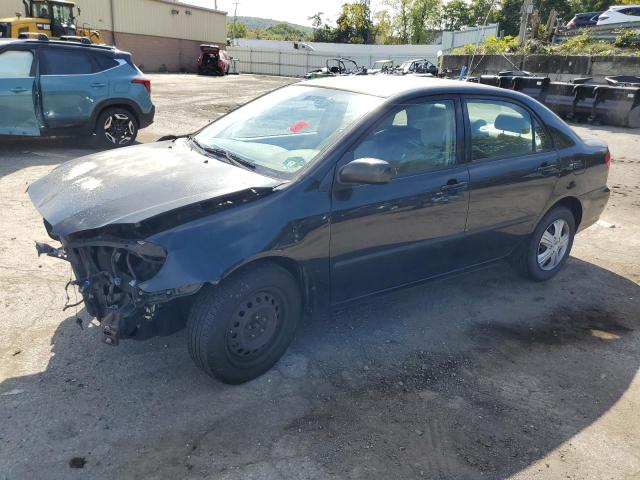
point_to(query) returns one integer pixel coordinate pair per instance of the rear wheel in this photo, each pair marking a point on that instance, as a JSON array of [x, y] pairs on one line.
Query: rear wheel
[[548, 247], [116, 127], [239, 329]]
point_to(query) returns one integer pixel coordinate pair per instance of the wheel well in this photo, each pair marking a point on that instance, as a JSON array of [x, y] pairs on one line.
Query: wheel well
[[293, 268], [573, 204]]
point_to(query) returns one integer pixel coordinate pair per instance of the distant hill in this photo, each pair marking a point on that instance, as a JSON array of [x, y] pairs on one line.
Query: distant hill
[[257, 23]]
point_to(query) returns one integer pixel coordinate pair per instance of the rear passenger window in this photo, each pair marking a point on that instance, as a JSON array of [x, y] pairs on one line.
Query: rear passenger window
[[62, 61], [104, 62], [15, 64], [502, 129]]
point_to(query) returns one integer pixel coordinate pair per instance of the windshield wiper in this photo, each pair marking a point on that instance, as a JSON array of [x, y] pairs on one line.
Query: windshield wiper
[[225, 155], [232, 158]]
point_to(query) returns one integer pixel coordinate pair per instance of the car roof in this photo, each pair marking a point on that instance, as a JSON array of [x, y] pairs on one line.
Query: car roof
[[387, 86], [58, 43], [619, 7]]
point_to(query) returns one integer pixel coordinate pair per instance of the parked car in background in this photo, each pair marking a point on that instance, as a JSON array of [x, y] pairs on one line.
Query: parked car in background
[[620, 14], [381, 66], [213, 61], [587, 19], [337, 66], [57, 88], [317, 194], [419, 66]]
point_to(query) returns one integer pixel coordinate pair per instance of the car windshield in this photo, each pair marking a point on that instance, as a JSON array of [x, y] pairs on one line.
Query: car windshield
[[282, 132]]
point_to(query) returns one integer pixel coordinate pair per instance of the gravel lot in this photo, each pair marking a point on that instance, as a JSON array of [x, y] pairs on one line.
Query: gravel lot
[[480, 376]]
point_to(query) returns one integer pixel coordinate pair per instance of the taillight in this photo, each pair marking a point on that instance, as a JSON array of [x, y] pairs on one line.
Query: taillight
[[607, 159], [143, 81]]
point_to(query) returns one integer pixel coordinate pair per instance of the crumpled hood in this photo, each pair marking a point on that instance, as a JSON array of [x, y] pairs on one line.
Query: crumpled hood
[[134, 183]]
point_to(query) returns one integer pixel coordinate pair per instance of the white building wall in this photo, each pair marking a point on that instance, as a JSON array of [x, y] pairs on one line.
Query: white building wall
[[145, 17], [281, 58]]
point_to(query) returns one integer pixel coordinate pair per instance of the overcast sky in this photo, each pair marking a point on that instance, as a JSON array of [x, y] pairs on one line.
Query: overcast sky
[[287, 10]]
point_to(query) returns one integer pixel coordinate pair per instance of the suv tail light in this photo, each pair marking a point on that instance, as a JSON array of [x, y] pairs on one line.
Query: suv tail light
[[607, 159], [143, 81]]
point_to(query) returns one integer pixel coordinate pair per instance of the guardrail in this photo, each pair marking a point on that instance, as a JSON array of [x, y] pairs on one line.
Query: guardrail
[[600, 32]]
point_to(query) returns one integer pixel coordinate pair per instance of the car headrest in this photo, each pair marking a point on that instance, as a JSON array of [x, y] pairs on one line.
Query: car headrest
[[435, 125], [512, 122]]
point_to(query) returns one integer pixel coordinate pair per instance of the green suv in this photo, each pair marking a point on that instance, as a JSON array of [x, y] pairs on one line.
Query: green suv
[[63, 88]]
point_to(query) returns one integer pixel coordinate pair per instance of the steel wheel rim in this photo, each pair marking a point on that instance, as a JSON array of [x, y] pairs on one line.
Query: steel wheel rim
[[553, 245], [119, 128], [254, 326]]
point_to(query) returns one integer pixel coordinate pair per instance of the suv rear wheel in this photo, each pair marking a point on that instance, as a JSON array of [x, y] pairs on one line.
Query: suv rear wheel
[[548, 248], [239, 329], [116, 127]]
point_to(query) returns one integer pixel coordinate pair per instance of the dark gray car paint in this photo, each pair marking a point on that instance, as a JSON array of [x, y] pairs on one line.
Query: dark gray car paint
[[128, 186]]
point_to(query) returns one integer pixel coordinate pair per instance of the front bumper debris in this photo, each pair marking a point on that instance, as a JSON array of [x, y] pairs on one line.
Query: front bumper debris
[[108, 273]]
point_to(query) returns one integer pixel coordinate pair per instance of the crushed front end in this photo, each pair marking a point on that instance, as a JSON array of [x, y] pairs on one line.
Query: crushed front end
[[108, 272]]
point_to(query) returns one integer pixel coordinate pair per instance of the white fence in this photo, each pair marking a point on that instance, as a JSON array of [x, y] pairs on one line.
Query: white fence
[[280, 58]]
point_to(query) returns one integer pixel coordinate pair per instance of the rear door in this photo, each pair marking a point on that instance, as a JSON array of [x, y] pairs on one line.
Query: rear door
[[17, 93], [412, 228], [72, 84], [513, 171]]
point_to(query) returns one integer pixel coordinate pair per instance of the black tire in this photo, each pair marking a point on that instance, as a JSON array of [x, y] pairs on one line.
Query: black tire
[[240, 328], [116, 127], [526, 258]]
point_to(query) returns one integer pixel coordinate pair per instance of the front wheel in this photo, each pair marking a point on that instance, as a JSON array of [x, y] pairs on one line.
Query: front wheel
[[116, 127], [239, 329], [548, 247]]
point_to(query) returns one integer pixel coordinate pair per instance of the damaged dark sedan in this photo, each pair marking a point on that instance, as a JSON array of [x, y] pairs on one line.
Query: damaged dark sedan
[[313, 195]]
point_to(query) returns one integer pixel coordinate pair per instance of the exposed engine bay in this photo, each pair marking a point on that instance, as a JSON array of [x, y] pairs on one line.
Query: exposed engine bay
[[108, 272]]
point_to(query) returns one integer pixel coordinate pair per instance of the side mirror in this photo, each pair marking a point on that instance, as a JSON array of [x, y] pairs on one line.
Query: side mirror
[[366, 170]]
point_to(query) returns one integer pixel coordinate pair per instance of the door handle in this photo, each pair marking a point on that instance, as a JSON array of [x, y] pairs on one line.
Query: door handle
[[98, 85], [19, 90], [454, 185], [546, 169]]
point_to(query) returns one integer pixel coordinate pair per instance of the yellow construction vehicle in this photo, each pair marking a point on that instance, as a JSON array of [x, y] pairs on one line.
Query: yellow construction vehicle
[[54, 18]]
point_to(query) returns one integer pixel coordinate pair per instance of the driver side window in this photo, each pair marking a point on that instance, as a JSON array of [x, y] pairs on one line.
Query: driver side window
[[414, 138]]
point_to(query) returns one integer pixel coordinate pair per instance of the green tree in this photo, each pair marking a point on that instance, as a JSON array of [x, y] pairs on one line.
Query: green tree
[[425, 19], [241, 30], [354, 24], [455, 15], [401, 18], [322, 32], [283, 31], [384, 27], [483, 10], [509, 16]]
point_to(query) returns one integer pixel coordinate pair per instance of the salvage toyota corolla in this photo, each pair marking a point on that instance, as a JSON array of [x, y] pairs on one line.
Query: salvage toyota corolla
[[313, 195]]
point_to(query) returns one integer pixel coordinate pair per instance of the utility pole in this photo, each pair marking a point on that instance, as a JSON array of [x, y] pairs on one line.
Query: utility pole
[[527, 9], [235, 14]]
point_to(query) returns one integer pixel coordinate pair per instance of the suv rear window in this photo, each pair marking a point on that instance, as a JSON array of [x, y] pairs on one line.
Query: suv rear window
[[104, 62], [66, 61], [62, 61]]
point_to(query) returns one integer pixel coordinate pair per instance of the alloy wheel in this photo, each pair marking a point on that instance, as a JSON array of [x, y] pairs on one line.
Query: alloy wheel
[[553, 245], [119, 129]]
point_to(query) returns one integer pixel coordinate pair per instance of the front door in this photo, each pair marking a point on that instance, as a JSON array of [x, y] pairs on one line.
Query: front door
[[72, 85], [17, 94], [384, 236], [512, 174]]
